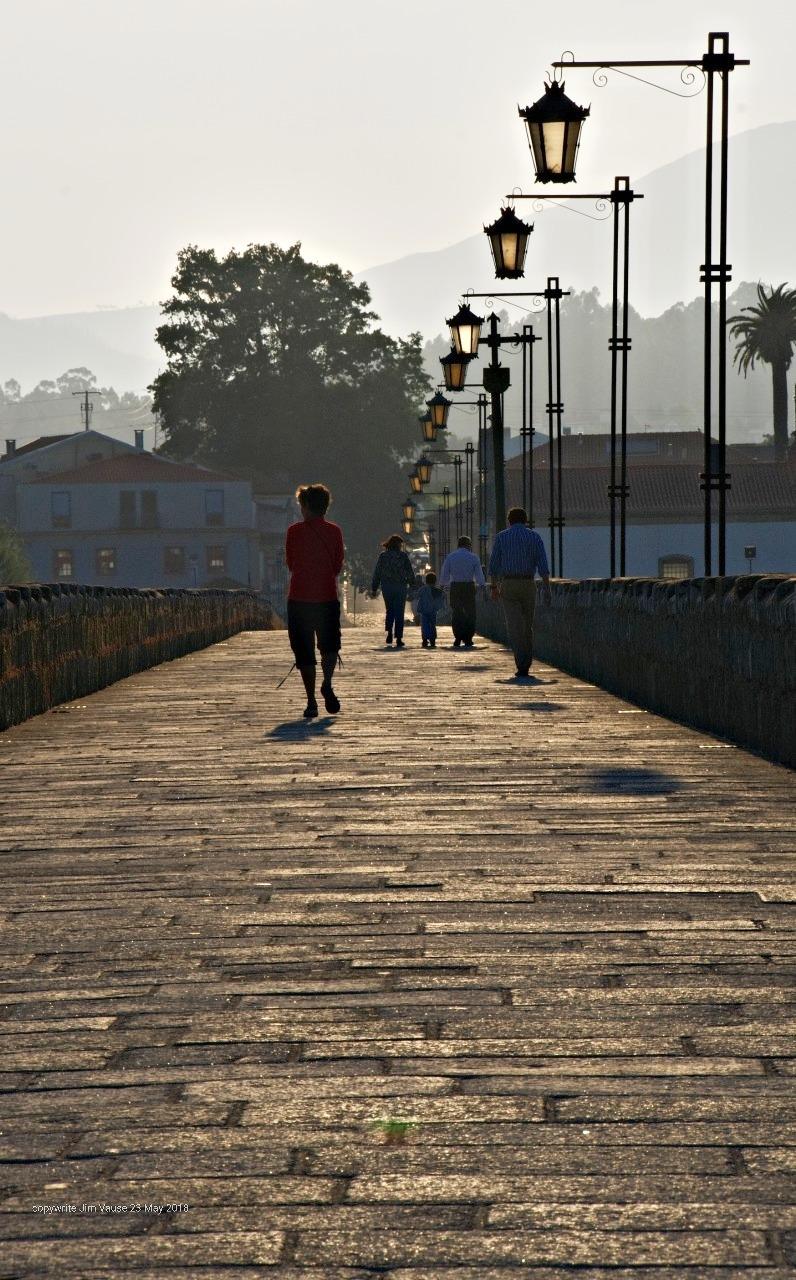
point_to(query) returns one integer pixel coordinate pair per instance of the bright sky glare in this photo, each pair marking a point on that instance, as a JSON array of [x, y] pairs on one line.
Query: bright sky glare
[[368, 130]]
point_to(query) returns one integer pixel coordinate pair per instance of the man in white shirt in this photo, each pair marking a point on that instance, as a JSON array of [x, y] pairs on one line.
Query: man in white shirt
[[462, 572]]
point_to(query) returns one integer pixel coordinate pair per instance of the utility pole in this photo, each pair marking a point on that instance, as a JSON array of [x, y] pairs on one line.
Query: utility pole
[[86, 408]]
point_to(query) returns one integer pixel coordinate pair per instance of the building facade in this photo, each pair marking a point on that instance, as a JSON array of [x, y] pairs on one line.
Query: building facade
[[92, 510]]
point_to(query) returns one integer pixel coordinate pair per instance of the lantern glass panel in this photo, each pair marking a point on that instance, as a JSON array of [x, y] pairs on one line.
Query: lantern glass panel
[[415, 483], [429, 430], [408, 509], [408, 526], [454, 368], [423, 467], [438, 408]]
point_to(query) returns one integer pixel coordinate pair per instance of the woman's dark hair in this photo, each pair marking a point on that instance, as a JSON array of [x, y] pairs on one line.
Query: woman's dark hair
[[393, 543], [315, 497]]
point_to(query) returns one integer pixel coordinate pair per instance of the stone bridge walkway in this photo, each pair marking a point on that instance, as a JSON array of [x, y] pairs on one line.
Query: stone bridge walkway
[[479, 980]]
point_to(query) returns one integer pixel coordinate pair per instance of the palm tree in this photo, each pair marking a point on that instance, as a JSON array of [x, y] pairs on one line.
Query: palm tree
[[768, 333]]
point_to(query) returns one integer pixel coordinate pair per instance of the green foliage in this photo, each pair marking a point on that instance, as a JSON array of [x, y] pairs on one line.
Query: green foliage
[[50, 409], [275, 371], [14, 566], [767, 332]]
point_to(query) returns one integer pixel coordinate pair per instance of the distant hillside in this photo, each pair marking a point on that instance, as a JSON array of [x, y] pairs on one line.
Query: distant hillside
[[419, 291], [119, 346]]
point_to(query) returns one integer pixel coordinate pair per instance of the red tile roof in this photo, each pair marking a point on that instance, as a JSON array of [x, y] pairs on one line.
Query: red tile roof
[[135, 468], [664, 493]]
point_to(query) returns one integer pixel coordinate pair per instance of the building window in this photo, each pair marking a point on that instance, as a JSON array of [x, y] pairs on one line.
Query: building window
[[61, 510], [174, 559], [675, 568], [127, 509], [106, 560], [63, 564], [149, 509], [216, 559], [214, 506]]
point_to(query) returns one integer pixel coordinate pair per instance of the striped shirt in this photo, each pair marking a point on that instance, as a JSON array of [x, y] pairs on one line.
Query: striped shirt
[[518, 552]]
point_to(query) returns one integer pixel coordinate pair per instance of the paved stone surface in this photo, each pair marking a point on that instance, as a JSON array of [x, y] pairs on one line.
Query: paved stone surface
[[479, 979]]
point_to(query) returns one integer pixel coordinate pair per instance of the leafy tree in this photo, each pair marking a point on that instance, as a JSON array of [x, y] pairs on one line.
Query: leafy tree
[[14, 566], [276, 371], [767, 332]]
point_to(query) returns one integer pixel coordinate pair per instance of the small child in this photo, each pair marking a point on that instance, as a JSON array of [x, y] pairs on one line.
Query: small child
[[429, 602]]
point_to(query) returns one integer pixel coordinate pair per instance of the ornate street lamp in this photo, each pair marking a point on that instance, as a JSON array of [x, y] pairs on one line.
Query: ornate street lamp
[[415, 483], [423, 468], [508, 240], [438, 407], [554, 123], [454, 369], [408, 509], [427, 427], [465, 329], [408, 526]]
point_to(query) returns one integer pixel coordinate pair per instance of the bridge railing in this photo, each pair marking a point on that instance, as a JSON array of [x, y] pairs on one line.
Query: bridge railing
[[60, 642], [715, 653]]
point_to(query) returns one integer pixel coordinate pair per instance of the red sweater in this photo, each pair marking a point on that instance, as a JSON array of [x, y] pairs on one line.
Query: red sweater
[[314, 554]]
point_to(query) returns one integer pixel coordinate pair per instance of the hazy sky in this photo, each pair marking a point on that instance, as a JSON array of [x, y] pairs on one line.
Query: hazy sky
[[365, 129]]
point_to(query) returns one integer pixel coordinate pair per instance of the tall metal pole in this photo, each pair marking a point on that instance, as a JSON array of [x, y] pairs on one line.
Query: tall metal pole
[[724, 276], [559, 414], [496, 392], [529, 335], [707, 277], [625, 349], [551, 437], [468, 484], [524, 422], [613, 348]]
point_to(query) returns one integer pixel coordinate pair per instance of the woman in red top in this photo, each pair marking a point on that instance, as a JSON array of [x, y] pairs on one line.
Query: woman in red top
[[314, 553]]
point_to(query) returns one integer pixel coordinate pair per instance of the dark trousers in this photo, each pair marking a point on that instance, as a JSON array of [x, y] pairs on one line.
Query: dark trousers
[[395, 604], [428, 627], [519, 602], [462, 597]]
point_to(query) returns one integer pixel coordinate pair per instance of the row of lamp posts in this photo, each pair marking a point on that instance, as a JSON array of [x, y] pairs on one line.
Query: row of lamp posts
[[553, 125]]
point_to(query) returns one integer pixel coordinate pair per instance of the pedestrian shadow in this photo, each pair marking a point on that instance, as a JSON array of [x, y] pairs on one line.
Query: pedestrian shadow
[[524, 680], [542, 706], [633, 782], [299, 730]]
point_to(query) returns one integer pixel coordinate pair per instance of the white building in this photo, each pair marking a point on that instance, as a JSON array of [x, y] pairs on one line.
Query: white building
[[665, 506], [93, 510]]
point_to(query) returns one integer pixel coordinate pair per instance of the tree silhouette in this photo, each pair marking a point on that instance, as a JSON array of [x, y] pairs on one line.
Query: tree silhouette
[[277, 372], [767, 332]]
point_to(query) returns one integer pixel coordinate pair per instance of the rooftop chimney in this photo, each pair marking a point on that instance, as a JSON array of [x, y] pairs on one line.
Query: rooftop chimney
[[11, 448], [139, 438]]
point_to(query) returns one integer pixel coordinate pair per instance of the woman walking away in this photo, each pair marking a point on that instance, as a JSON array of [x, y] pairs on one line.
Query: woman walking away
[[395, 575], [314, 554]]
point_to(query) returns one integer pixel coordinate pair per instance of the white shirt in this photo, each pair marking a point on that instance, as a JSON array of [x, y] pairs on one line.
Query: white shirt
[[462, 565]]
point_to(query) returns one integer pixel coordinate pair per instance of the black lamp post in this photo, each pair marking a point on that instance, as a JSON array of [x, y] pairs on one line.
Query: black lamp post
[[508, 240], [620, 198], [454, 369], [439, 408], [427, 427], [717, 61], [554, 123], [465, 329]]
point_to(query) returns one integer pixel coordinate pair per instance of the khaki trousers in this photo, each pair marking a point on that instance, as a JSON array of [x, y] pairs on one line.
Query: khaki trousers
[[519, 601]]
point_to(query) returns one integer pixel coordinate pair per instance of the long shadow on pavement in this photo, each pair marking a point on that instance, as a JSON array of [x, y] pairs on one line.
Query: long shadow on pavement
[[649, 782], [295, 730]]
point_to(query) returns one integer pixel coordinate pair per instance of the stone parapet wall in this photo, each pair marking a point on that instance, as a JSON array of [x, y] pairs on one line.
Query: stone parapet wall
[[63, 642], [715, 653]]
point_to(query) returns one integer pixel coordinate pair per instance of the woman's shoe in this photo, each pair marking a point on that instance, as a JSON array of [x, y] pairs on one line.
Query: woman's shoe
[[330, 698], [311, 710], [399, 644]]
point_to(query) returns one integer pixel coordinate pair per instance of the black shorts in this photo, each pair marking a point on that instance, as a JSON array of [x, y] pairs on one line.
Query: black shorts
[[307, 619]]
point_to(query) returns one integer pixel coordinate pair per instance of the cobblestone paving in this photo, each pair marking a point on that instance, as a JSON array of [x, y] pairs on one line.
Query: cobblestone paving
[[478, 980]]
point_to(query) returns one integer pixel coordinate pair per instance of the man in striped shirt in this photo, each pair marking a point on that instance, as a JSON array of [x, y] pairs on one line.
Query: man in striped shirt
[[518, 554]]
